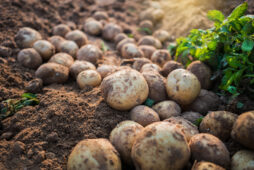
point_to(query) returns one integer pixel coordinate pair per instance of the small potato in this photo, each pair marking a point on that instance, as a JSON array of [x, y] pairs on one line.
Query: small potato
[[160, 57], [34, 86], [243, 129], [243, 159], [61, 30], [130, 50], [139, 62], [158, 15], [110, 30], [206, 165], [100, 15], [56, 40], [150, 40], [161, 35], [150, 67], [63, 59], [69, 47], [94, 154], [218, 123], [44, 48], [167, 109], [206, 147], [26, 37], [88, 78], [123, 42], [146, 24], [119, 37], [29, 58], [202, 72], [93, 27], [78, 37], [182, 86], [79, 66], [160, 146], [123, 136], [146, 15], [156, 84], [169, 66], [105, 70], [147, 50], [89, 53], [124, 89], [144, 115], [52, 73], [191, 116]]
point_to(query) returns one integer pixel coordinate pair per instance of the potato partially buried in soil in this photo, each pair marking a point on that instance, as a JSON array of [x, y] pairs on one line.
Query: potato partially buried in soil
[[63, 59], [79, 66], [88, 78], [243, 159], [44, 48], [26, 37], [29, 58], [160, 57], [89, 53], [167, 109], [206, 166]]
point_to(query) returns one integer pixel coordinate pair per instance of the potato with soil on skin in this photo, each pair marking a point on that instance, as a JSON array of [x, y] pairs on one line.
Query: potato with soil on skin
[[144, 115], [150, 67], [26, 37], [206, 165], [146, 24], [56, 40], [243, 129], [105, 70], [52, 73], [243, 159], [191, 116], [160, 145], [100, 15], [79, 66], [44, 48], [119, 37], [77, 36], [160, 57], [218, 123], [124, 89], [69, 47], [158, 15], [130, 50], [167, 109], [206, 147], [94, 154], [63, 59], [169, 66], [88, 78], [110, 30], [122, 138], [123, 42], [182, 86], [89, 53], [139, 62], [150, 40], [203, 73], [29, 58], [148, 50], [161, 35], [61, 30], [93, 27]]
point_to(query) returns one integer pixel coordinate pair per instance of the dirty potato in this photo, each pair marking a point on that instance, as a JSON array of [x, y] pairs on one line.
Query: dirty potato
[[110, 30], [88, 78], [93, 27], [206, 165], [191, 116], [161, 35], [63, 59], [89, 53], [78, 37], [169, 66], [148, 50], [150, 40], [119, 37], [61, 30], [69, 47], [29, 58], [79, 66], [44, 48], [167, 109], [139, 62], [150, 67], [104, 70], [100, 15], [160, 57], [123, 42], [243, 159], [26, 37], [56, 40], [130, 50]]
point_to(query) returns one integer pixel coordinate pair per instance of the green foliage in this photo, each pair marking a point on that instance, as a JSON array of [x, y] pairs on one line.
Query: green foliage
[[104, 47], [145, 30], [149, 102], [198, 121]]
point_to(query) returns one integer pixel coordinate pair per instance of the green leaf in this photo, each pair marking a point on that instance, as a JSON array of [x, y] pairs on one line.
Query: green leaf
[[29, 95], [247, 45], [238, 11], [216, 16], [104, 47], [146, 30], [239, 105], [130, 35], [149, 102], [198, 121]]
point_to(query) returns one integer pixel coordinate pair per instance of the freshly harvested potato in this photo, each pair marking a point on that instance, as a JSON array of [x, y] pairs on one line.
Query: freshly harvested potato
[[169, 66], [144, 115], [52, 73], [218, 123], [191, 116], [158, 15], [139, 62], [34, 86], [123, 136], [63, 59], [146, 15], [150, 40], [105, 70], [161, 35], [110, 30], [93, 27], [150, 67], [148, 50], [160, 57], [29, 58], [123, 42], [56, 40], [203, 73], [78, 37], [26, 37], [156, 84], [206, 166], [94, 154], [124, 89], [242, 159], [100, 15], [167, 109], [130, 50], [206, 147], [88, 78], [160, 146], [69, 47], [243, 129], [146, 24], [79, 66], [89, 53], [61, 30], [182, 86], [44, 48], [119, 37]]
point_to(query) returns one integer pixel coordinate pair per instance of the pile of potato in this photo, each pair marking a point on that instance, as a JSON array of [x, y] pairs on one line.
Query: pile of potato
[[162, 136]]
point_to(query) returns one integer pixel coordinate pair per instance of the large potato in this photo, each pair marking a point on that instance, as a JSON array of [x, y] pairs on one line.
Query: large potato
[[150, 40], [191, 116], [160, 57], [110, 30], [69, 47], [94, 154], [130, 50], [29, 58], [182, 86], [243, 159], [79, 66], [26, 37], [89, 53], [44, 48], [162, 146], [105, 70], [139, 62], [169, 66], [206, 166], [63, 59], [167, 109], [78, 37], [124, 89], [123, 136], [88, 78], [61, 30], [148, 50]]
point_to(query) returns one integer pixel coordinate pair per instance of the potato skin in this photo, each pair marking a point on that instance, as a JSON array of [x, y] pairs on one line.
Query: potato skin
[[124, 89], [139, 62], [26, 37], [243, 159], [169, 66], [93, 27], [191, 116], [160, 57], [69, 47], [94, 154], [243, 129], [88, 78], [148, 50], [61, 30], [206, 165], [167, 109], [130, 50], [44, 48], [110, 30], [89, 53], [150, 40], [63, 59], [29, 58], [77, 36], [79, 66]]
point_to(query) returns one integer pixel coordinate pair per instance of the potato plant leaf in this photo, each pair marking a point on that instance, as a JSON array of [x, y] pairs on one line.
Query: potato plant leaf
[[149, 102], [247, 45], [216, 16], [198, 121], [238, 11]]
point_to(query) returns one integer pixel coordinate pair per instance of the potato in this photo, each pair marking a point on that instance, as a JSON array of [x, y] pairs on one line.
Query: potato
[[147, 50], [110, 30], [88, 78], [105, 70], [130, 50], [69, 47], [123, 136], [160, 146], [169, 66], [167, 109], [150, 40], [242, 159], [89, 53], [156, 84], [139, 62], [44, 48], [202, 72], [124, 89], [63, 59], [161, 35], [119, 37], [182, 86], [34, 86], [146, 15], [52, 73], [93, 27], [100, 15], [26, 37], [78, 37], [243, 129], [191, 116], [206, 165], [56, 40], [94, 154], [150, 67], [160, 57], [123, 42], [144, 115], [79, 66], [218, 123], [29, 58], [158, 15], [61, 30], [206, 147], [146, 24]]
